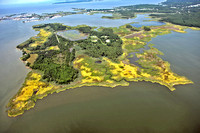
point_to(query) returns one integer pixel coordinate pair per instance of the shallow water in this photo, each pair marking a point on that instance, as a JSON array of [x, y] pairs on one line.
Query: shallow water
[[73, 35], [143, 20], [141, 107]]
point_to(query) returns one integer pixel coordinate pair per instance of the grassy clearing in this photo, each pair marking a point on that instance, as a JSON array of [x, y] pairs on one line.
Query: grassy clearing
[[41, 38], [32, 58], [53, 48]]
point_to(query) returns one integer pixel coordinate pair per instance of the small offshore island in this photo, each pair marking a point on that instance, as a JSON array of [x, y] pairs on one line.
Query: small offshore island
[[63, 57]]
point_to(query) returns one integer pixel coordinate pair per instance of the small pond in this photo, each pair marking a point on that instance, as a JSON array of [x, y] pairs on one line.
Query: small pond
[[73, 35]]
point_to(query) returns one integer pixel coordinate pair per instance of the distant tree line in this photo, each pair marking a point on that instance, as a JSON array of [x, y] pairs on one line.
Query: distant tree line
[[176, 11], [51, 26], [185, 19]]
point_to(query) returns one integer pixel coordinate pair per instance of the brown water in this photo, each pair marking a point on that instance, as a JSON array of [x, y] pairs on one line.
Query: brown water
[[142, 107], [139, 107], [12, 70]]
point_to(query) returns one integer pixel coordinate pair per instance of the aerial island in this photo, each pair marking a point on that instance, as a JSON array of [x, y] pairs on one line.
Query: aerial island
[[63, 57]]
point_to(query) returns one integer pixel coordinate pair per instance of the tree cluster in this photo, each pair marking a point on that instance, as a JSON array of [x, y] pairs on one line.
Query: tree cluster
[[132, 28], [146, 28], [185, 19], [25, 57], [101, 48], [60, 73], [86, 29], [25, 44]]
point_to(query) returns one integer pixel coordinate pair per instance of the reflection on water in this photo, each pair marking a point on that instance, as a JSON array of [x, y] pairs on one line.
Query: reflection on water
[[140, 107]]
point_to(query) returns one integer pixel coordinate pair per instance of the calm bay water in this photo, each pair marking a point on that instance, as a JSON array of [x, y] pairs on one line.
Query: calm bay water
[[48, 7], [143, 20], [141, 107]]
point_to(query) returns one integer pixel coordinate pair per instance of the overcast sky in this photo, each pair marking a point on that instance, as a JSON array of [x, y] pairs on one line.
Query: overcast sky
[[21, 1]]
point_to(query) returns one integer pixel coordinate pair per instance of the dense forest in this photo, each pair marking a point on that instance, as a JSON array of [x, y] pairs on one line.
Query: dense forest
[[187, 12], [56, 65], [59, 72], [181, 2], [51, 26], [102, 43], [185, 19], [182, 12]]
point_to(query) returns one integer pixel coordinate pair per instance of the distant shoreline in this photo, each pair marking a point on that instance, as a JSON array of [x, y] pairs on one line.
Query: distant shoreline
[[76, 1]]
